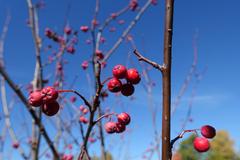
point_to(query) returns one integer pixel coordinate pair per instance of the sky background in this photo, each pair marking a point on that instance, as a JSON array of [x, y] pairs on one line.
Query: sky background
[[217, 95]]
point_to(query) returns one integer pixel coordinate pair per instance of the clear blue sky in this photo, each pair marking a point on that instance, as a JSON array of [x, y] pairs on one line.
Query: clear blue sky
[[217, 24]]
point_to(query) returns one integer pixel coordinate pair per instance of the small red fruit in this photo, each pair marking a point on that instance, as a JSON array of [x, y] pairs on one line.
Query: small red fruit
[[49, 94], [84, 28], [70, 49], [110, 127], [15, 145], [67, 30], [99, 54], [83, 119], [124, 118], [133, 76], [133, 5], [35, 99], [73, 99], [84, 65], [85, 111], [208, 131], [119, 71], [50, 109], [127, 89], [114, 85], [201, 144], [120, 127], [49, 33]]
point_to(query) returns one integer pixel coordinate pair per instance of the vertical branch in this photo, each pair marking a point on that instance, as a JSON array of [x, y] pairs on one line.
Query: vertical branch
[[166, 83]]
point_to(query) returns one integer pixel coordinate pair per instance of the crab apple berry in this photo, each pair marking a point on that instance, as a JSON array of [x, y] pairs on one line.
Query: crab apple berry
[[83, 119], [67, 30], [133, 76], [120, 127], [50, 109], [81, 108], [84, 65], [127, 89], [15, 145], [208, 131], [114, 15], [49, 33], [124, 118], [99, 54], [49, 94], [84, 28], [114, 85], [73, 99], [70, 49], [119, 71], [201, 144], [85, 111], [133, 5], [110, 127], [35, 98]]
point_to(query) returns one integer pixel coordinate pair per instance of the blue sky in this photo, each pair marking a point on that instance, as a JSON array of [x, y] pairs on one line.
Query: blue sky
[[216, 22]]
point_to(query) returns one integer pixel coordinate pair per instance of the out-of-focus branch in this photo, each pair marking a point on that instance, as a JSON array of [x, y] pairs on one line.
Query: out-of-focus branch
[[127, 30], [42, 129]]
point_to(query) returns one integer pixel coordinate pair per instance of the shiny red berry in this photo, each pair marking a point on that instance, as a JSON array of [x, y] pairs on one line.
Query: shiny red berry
[[110, 127], [49, 94], [120, 127], [35, 99], [114, 85], [133, 76], [83, 119], [119, 71], [70, 49], [124, 118], [67, 30], [127, 89], [15, 145], [201, 144], [84, 28], [208, 131], [50, 109]]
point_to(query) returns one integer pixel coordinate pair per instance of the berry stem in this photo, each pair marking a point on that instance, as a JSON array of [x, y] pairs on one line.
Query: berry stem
[[103, 116]]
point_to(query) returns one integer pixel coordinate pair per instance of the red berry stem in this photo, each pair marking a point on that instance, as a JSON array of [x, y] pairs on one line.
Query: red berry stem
[[81, 96], [103, 116], [105, 81]]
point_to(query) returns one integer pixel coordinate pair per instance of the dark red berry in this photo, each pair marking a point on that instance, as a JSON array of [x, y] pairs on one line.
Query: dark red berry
[[120, 127], [114, 85], [84, 28], [50, 109], [83, 119], [127, 89], [208, 131]]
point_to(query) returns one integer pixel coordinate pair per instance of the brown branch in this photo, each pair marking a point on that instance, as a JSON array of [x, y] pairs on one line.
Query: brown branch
[[154, 64]]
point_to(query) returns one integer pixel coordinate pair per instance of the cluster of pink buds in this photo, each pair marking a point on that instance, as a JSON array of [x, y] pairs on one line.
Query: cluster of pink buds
[[119, 126], [46, 98], [82, 117], [201, 144], [121, 72]]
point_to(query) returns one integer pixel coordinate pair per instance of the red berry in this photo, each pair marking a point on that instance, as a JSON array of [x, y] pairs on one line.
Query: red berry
[[35, 99], [133, 76], [208, 131], [114, 15], [133, 5], [114, 85], [49, 94], [124, 118], [201, 144], [83, 119], [70, 49], [81, 108], [49, 33], [50, 109], [127, 89], [85, 65], [84, 28], [110, 127], [120, 127], [73, 99], [85, 111], [15, 145], [99, 54], [119, 71], [67, 30]]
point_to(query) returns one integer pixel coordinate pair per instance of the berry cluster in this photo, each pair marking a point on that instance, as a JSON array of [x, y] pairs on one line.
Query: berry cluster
[[84, 111], [201, 144], [120, 126], [121, 72], [46, 98]]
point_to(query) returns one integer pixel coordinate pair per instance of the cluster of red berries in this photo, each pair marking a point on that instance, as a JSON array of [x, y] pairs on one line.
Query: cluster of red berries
[[46, 98], [120, 126], [201, 144], [67, 157], [84, 111], [121, 72]]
